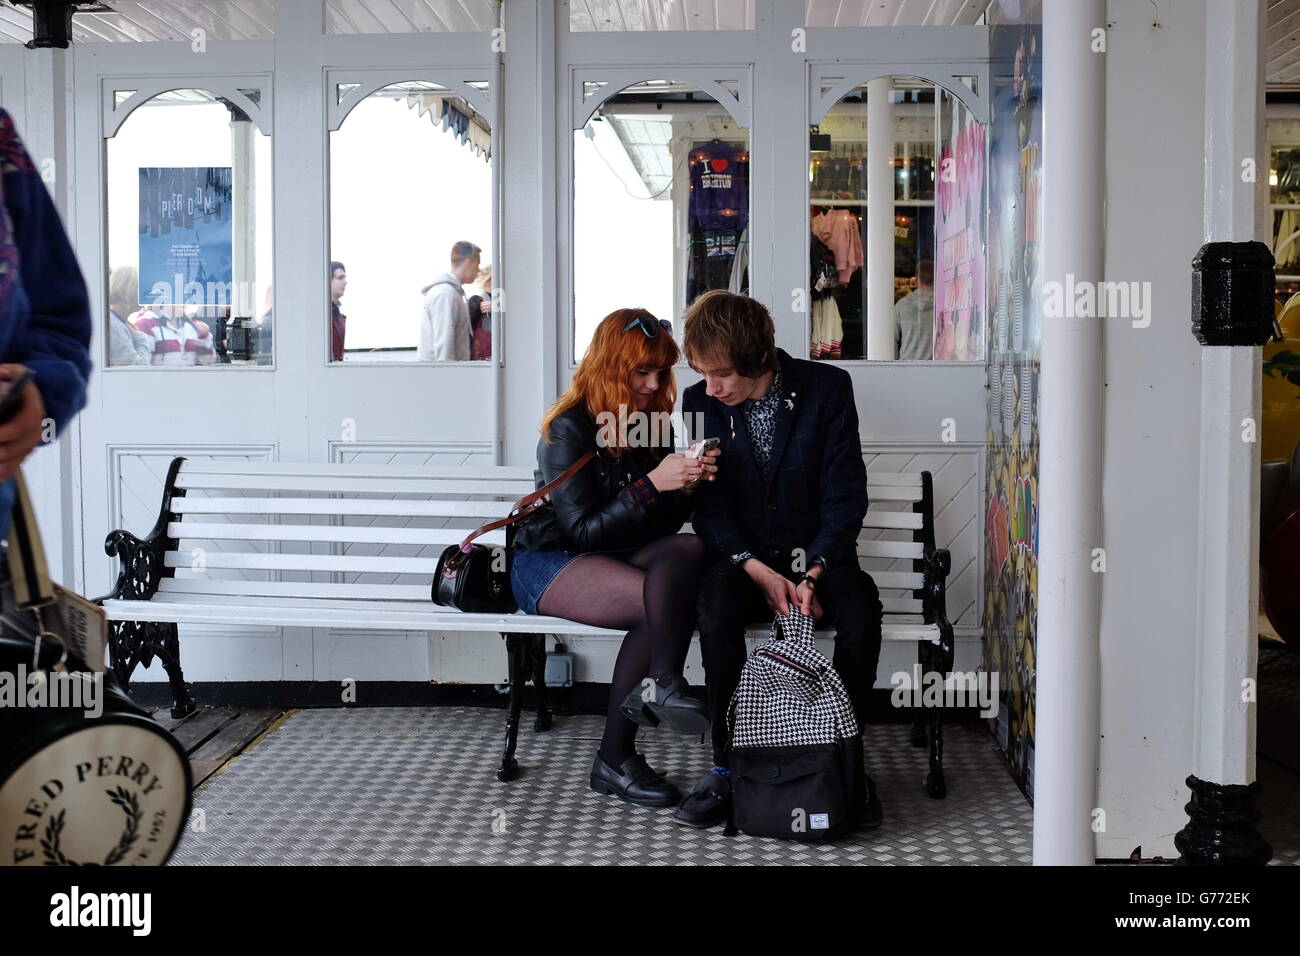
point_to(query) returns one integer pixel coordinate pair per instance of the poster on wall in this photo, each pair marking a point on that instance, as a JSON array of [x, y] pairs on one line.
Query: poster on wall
[[186, 235], [959, 241], [1012, 466]]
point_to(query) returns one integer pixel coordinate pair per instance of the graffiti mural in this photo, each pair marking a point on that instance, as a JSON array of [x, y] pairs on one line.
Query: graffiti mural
[[1011, 512]]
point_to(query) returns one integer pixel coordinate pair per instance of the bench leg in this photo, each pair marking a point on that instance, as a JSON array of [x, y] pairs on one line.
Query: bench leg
[[517, 656], [934, 782], [930, 730], [139, 642], [537, 660]]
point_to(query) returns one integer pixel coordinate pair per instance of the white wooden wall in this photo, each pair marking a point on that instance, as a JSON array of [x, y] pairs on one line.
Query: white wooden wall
[[115, 457]]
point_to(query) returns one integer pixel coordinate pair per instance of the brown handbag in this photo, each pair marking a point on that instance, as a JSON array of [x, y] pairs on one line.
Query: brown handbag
[[474, 577]]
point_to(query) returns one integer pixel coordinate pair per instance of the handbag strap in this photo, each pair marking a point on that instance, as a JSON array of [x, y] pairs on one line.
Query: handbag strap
[[28, 573], [528, 503]]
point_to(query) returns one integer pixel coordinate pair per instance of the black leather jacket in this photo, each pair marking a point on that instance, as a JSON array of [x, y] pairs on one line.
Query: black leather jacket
[[598, 509]]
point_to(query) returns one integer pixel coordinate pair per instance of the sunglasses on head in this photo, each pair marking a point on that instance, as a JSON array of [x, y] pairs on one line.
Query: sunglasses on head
[[650, 327]]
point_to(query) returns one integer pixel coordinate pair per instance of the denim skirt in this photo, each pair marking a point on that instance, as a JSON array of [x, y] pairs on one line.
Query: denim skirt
[[532, 571]]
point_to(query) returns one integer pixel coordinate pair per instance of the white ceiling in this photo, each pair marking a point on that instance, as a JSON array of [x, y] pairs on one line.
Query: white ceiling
[[1282, 54], [149, 20]]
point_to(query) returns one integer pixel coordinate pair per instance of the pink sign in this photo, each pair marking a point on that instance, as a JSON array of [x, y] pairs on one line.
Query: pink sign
[[959, 246]]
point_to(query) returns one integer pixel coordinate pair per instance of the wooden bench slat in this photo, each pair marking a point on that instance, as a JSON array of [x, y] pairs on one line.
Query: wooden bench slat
[[397, 564], [257, 469], [356, 507], [296, 589], [350, 592], [892, 493], [902, 520], [462, 485], [366, 616], [874, 548], [354, 469], [348, 563], [376, 534], [332, 533]]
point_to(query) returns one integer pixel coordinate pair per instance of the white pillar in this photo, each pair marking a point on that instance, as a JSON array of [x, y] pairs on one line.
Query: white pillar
[[243, 204], [880, 220], [1228, 577], [1066, 748]]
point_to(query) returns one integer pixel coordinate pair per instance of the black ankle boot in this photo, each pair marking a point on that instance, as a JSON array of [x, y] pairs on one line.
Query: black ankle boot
[[668, 704], [634, 782]]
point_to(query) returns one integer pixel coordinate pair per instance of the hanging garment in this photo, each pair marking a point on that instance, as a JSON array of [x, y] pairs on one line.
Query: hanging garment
[[823, 272], [840, 230], [719, 184], [827, 330], [712, 254], [739, 282]]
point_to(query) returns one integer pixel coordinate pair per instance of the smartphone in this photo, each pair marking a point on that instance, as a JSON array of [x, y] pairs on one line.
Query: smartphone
[[12, 398], [700, 449]]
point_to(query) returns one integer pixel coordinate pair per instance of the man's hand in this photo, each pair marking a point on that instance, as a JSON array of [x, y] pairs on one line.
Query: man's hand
[[21, 433], [777, 590], [807, 593]]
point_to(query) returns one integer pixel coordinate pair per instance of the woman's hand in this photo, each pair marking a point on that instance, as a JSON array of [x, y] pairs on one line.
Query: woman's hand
[[675, 471]]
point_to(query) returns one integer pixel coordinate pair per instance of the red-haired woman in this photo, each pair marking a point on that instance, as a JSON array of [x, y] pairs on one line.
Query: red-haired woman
[[606, 551]]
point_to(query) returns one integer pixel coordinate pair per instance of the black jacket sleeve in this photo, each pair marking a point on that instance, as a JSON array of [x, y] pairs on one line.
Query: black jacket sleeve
[[714, 520], [588, 521], [844, 481]]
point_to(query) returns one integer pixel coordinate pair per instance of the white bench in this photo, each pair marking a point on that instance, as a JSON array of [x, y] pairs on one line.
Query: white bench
[[355, 546]]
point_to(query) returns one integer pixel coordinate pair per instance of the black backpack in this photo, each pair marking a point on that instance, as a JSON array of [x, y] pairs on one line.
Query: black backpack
[[795, 754]]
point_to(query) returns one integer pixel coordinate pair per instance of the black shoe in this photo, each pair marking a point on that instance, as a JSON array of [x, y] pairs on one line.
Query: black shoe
[[707, 804], [634, 782], [672, 707], [873, 814]]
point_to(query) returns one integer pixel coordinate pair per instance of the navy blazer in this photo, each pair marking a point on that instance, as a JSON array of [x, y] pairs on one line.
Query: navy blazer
[[816, 496]]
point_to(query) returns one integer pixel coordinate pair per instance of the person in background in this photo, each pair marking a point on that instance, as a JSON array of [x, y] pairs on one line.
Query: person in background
[[444, 321], [338, 321], [127, 345], [44, 314], [914, 316], [480, 317], [178, 338]]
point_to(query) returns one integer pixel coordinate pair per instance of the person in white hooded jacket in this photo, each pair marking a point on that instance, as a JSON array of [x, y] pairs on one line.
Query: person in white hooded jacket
[[444, 320]]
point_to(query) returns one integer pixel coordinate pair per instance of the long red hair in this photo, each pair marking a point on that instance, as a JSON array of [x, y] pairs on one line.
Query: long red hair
[[602, 381]]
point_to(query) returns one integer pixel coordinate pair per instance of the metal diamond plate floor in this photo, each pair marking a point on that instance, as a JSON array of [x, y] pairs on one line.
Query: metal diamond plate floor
[[417, 786]]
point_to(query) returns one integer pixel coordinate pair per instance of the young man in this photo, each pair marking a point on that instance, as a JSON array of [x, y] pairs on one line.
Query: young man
[[338, 321], [445, 334], [782, 518]]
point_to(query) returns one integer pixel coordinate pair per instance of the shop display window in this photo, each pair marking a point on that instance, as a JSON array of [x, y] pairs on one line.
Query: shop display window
[[409, 272], [937, 173], [188, 192], [660, 204]]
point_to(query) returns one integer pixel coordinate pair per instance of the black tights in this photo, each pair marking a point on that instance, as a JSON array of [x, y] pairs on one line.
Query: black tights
[[651, 592]]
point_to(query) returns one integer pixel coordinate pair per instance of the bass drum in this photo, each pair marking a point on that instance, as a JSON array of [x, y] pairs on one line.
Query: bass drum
[[80, 789]]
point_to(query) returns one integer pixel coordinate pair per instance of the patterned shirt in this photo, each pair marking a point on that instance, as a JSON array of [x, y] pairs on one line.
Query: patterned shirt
[[760, 422]]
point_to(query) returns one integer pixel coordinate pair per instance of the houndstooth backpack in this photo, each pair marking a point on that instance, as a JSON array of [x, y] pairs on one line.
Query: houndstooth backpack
[[795, 754]]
